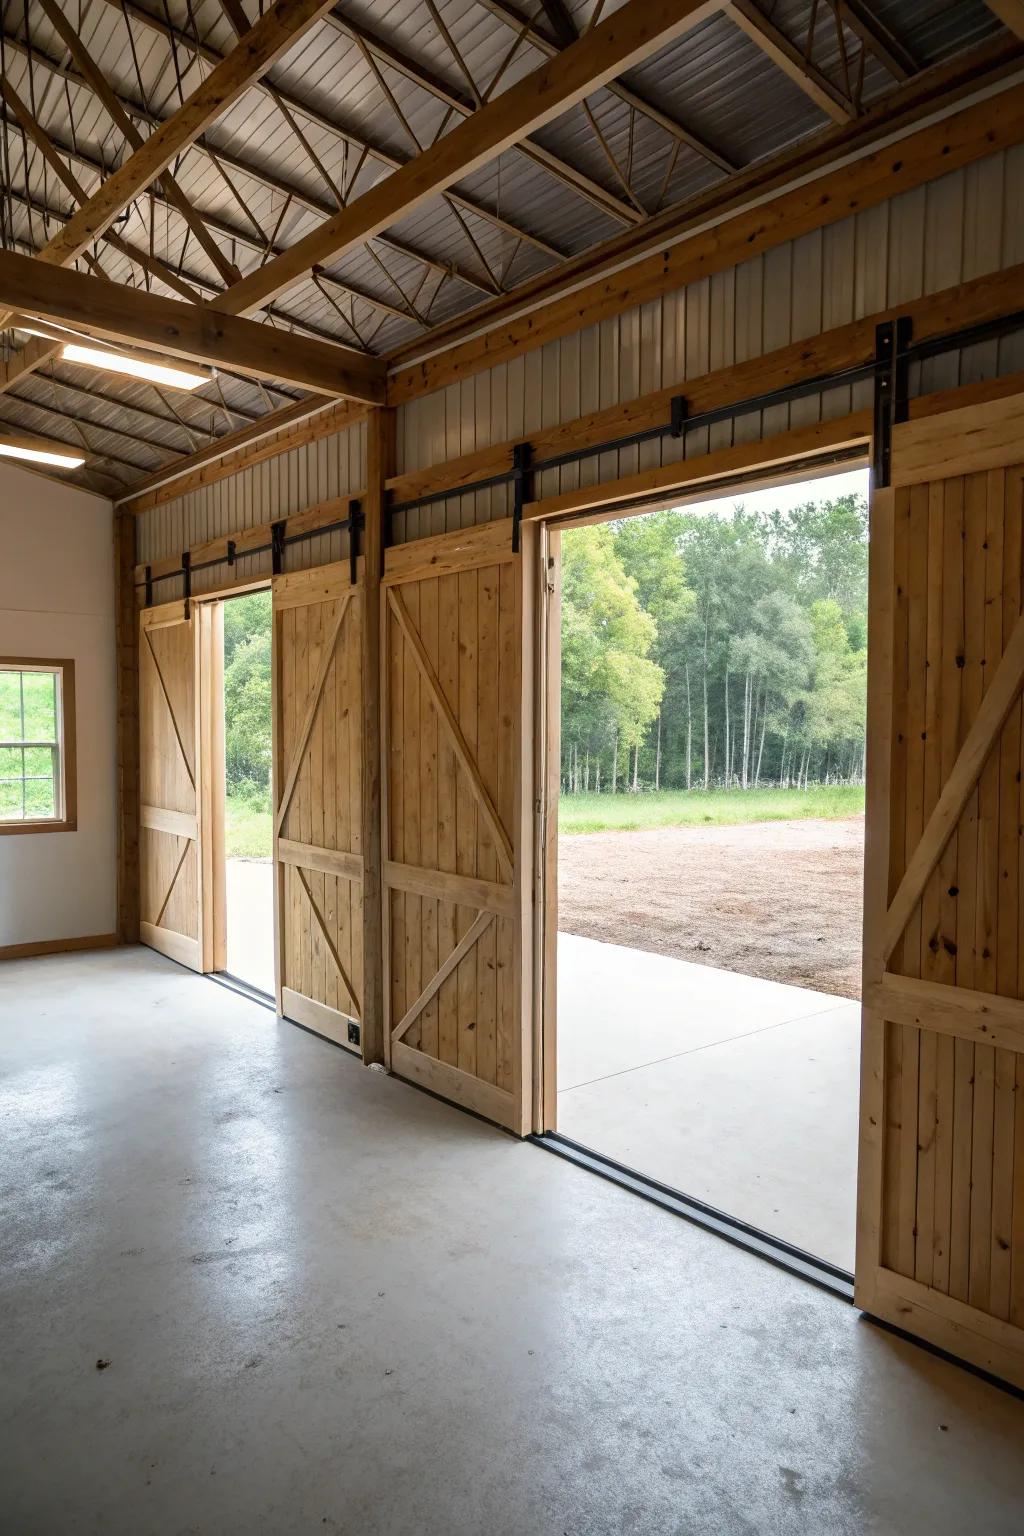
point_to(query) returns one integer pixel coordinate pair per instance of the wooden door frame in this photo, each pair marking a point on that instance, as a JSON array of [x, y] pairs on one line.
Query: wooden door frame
[[541, 577], [209, 612]]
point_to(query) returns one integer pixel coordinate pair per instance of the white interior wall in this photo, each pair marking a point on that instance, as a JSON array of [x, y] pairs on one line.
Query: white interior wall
[[57, 599]]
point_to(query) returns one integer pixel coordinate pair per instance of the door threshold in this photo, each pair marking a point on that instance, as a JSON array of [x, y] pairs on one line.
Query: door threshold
[[819, 1272]]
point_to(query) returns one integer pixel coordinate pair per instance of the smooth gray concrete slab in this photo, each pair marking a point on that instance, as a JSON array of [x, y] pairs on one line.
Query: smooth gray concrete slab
[[331, 1302], [250, 922], [740, 1092]]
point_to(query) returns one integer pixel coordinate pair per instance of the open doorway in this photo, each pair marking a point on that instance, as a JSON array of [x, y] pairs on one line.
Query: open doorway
[[710, 851], [248, 894]]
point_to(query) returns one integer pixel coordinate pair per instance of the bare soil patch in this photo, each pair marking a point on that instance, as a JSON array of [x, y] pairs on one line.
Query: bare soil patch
[[781, 900]]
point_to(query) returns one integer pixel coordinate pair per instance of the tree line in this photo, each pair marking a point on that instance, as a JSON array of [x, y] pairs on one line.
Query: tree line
[[703, 651]]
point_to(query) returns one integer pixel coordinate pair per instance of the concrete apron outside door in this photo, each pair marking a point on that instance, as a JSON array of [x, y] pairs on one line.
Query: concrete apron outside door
[[740, 1092]]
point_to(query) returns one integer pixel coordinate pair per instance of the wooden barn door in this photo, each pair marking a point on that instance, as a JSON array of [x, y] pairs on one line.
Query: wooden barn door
[[941, 1198], [317, 798], [456, 844], [175, 910]]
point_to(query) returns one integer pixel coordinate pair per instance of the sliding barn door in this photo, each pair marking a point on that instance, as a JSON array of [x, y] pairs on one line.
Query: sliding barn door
[[175, 909], [317, 797], [941, 1200], [456, 846]]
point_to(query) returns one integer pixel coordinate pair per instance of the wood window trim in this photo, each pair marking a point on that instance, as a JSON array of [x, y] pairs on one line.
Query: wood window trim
[[68, 747]]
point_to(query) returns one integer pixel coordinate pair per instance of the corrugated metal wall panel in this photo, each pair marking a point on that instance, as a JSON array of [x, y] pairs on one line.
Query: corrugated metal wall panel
[[956, 228], [330, 466], [959, 227]]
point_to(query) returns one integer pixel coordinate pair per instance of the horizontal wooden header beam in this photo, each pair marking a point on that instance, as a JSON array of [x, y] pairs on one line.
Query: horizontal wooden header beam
[[189, 331], [638, 29], [847, 346], [246, 540]]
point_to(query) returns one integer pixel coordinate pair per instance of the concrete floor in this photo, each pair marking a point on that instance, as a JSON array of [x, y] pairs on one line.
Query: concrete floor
[[740, 1092], [331, 1302]]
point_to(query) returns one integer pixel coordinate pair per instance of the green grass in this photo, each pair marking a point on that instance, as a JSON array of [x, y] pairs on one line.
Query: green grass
[[247, 830], [715, 807]]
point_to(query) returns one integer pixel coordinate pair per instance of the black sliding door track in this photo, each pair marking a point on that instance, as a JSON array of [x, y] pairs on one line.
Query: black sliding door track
[[828, 1277]]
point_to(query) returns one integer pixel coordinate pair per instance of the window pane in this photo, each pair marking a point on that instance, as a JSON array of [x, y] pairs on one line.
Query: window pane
[[39, 762], [10, 762], [39, 798], [10, 801], [40, 706], [10, 707]]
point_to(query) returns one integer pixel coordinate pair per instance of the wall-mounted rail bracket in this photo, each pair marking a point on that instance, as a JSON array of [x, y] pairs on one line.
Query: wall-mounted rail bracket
[[677, 420], [231, 551], [186, 571], [901, 370], [881, 434], [892, 392], [522, 487], [354, 525], [277, 533], [149, 586]]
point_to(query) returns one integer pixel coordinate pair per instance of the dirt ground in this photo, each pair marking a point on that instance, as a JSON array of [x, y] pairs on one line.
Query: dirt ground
[[781, 900]]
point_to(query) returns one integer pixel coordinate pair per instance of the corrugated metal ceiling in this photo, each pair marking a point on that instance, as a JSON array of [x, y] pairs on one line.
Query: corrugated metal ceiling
[[359, 95]]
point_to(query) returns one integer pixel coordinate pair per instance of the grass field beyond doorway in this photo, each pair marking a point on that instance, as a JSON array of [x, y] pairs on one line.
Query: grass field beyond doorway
[[715, 807]]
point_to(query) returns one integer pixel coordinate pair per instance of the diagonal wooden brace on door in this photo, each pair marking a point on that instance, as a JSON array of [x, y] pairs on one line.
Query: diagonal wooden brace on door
[[999, 699], [479, 928], [170, 710], [459, 744], [311, 711], [345, 979]]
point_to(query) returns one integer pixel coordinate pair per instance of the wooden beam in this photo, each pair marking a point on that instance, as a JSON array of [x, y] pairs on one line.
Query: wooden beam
[[980, 299], [312, 114], [119, 117], [380, 464], [930, 92], [521, 23], [803, 73], [627, 37], [195, 333], [846, 346], [686, 475], [1010, 13], [933, 151], [563, 171], [246, 540], [276, 31]]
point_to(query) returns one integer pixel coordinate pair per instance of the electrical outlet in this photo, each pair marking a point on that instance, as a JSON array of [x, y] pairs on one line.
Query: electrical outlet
[[353, 1032]]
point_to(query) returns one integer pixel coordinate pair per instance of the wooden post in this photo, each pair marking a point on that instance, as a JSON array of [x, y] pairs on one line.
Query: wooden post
[[127, 662], [380, 464]]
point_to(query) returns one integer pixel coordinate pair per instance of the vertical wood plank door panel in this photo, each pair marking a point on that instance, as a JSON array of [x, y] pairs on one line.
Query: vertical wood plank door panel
[[317, 799], [940, 1246], [170, 783], [456, 841]]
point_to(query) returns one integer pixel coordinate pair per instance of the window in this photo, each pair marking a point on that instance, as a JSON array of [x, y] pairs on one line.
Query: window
[[37, 746]]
